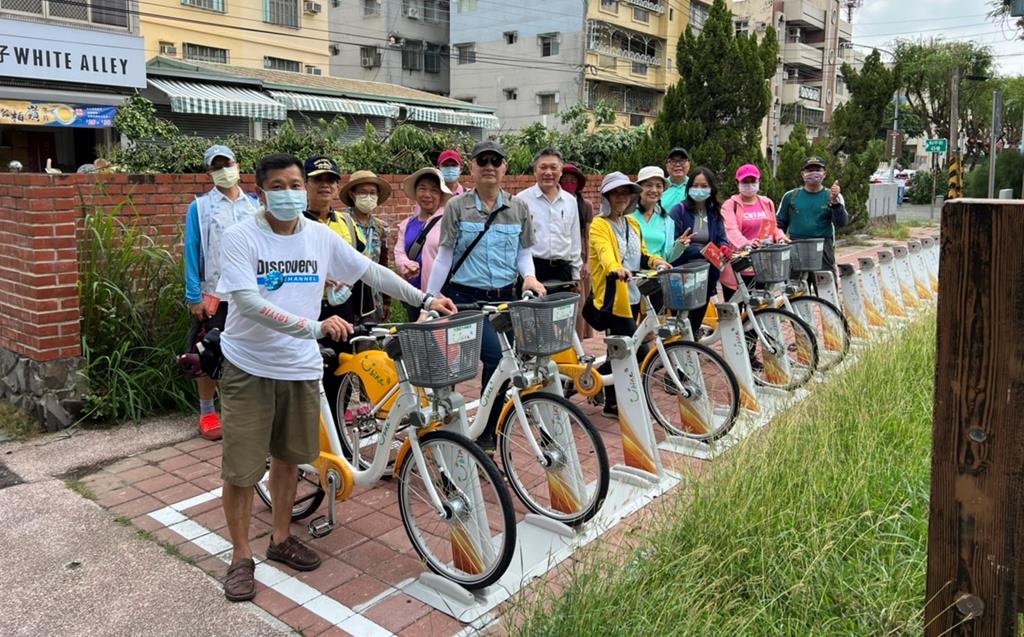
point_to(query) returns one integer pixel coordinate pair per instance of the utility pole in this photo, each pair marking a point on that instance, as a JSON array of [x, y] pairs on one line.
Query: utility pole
[[997, 125], [896, 136], [954, 137]]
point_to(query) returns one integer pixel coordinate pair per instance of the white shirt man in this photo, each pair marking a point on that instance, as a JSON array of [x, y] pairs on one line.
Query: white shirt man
[[557, 253]]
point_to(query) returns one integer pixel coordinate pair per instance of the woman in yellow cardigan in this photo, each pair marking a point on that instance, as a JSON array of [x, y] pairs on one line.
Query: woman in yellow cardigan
[[616, 251]]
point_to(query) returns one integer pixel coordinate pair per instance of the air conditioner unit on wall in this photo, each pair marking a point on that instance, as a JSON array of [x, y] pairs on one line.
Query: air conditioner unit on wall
[[412, 13], [169, 50], [312, 7], [369, 61]]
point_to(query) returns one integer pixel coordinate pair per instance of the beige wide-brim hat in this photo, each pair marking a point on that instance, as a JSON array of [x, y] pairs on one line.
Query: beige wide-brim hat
[[365, 177], [651, 172], [409, 185]]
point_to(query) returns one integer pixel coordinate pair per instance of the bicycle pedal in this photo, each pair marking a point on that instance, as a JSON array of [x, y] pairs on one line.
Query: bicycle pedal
[[320, 527]]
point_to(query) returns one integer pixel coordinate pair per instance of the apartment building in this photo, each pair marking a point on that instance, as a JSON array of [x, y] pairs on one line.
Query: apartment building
[[395, 41], [278, 35], [531, 60], [64, 68], [815, 40]]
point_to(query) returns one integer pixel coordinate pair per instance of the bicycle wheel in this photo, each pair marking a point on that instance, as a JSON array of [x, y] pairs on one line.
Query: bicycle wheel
[[788, 355], [472, 541], [359, 430], [308, 495], [706, 404], [572, 483], [830, 327]]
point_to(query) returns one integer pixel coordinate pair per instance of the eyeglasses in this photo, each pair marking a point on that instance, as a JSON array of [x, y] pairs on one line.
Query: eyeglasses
[[489, 160], [677, 162]]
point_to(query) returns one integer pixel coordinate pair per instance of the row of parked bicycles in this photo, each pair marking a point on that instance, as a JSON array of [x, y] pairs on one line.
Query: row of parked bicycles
[[396, 412]]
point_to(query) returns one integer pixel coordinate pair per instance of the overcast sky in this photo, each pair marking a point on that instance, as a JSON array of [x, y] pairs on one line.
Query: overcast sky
[[879, 22]]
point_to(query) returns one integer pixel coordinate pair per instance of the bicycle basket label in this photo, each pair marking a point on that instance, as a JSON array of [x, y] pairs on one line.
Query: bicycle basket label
[[461, 334], [562, 313]]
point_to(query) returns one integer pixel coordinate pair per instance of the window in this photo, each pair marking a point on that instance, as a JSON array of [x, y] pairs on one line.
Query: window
[[283, 13], [467, 53], [510, 93], [369, 57], [548, 44], [279, 64], [432, 58], [313, 70], [641, 15], [467, 6], [511, 37], [209, 5], [698, 15], [548, 103], [202, 53], [168, 48], [611, 6], [742, 27], [671, 14], [636, 120], [371, 7], [412, 55], [108, 12], [432, 11], [639, 68], [112, 12]]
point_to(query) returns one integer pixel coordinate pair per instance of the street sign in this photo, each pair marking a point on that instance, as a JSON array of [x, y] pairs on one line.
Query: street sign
[[936, 145], [893, 145]]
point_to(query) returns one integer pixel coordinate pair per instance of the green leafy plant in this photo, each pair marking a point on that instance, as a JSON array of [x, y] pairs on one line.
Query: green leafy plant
[[920, 192], [133, 321]]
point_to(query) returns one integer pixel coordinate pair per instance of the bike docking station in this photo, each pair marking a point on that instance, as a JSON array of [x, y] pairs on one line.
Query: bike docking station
[[871, 298], [896, 304], [854, 308]]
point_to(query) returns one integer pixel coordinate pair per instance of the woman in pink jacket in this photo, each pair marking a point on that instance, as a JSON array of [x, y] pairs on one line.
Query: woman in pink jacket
[[749, 221], [419, 235]]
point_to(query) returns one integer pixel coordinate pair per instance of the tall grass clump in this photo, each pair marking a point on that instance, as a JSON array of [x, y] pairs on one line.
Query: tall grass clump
[[133, 319], [817, 526]]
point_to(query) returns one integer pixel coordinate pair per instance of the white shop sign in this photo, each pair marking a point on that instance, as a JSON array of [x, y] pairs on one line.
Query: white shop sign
[[37, 51]]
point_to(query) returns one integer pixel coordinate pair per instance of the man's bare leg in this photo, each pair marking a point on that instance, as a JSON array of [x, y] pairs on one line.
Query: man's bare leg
[[238, 511], [284, 484]]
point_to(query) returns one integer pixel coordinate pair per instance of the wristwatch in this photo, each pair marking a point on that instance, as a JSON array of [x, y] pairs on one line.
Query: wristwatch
[[428, 298]]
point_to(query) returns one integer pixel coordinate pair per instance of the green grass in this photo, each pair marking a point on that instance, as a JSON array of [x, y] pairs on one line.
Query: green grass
[[899, 231], [816, 526], [80, 488], [15, 423]]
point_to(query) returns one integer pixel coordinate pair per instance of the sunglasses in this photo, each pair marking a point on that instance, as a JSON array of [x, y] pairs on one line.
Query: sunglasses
[[489, 160]]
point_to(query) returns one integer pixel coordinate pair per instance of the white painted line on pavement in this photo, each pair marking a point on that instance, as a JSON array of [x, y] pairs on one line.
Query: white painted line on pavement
[[328, 608]]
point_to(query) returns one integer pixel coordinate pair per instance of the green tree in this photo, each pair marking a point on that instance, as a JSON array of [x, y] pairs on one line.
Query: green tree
[[717, 107]]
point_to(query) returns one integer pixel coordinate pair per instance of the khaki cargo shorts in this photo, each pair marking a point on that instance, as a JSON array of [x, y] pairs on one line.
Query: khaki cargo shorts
[[263, 416]]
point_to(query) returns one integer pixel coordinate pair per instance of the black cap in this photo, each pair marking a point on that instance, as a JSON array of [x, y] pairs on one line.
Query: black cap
[[320, 165], [813, 161], [488, 147], [678, 150]]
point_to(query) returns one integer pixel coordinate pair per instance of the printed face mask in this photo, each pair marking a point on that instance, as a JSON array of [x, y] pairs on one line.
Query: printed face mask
[[451, 174], [749, 189], [699, 194], [286, 205], [814, 178], [226, 177], [570, 187], [366, 203]]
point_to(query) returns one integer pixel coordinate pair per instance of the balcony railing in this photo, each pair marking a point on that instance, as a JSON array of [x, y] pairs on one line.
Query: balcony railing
[[653, 7], [622, 43], [631, 101]]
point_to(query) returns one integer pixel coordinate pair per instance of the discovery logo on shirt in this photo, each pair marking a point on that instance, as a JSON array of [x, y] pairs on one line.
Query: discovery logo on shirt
[[274, 274]]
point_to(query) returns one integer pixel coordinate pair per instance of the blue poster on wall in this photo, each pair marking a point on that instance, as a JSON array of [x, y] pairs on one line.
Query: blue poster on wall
[[55, 114]]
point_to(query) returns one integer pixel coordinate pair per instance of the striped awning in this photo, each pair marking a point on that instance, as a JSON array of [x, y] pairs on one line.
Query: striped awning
[[325, 104], [217, 99], [452, 118]]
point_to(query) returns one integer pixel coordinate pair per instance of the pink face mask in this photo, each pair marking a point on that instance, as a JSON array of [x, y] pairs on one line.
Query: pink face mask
[[813, 178], [749, 190]]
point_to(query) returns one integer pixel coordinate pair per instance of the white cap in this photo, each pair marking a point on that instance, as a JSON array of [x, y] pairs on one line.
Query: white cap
[[650, 172]]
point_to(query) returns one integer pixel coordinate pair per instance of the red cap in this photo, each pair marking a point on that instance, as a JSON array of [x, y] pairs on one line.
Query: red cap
[[449, 154]]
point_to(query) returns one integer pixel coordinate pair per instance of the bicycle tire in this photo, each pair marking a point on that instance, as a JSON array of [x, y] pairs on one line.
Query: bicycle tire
[[551, 480], [358, 432], [652, 384], [806, 357], [304, 505], [830, 351], [456, 504]]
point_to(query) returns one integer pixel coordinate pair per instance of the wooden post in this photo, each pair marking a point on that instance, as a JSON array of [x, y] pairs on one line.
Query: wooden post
[[975, 529]]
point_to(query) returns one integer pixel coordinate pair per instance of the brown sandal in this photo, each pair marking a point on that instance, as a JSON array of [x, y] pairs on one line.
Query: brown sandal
[[293, 553], [240, 581]]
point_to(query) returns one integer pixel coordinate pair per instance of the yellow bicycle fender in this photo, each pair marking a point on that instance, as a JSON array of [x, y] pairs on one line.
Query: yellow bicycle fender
[[403, 451]]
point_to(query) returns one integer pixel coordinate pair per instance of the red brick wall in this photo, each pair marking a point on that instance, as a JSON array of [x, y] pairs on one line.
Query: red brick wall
[[39, 215]]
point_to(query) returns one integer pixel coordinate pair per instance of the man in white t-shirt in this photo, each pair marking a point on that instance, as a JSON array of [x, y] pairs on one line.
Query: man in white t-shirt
[[274, 267]]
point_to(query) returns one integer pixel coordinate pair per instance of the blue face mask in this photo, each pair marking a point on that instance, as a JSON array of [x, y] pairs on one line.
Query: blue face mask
[[699, 194], [450, 174], [286, 205]]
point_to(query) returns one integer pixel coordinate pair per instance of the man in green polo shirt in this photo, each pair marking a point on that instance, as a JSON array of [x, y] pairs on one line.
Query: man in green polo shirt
[[814, 212], [677, 167]]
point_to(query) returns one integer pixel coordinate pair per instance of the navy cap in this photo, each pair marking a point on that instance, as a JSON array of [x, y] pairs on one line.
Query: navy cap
[[320, 165]]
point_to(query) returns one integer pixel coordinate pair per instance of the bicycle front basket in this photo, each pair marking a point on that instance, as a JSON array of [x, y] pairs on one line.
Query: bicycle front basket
[[544, 326], [686, 288], [806, 255], [442, 352], [771, 263]]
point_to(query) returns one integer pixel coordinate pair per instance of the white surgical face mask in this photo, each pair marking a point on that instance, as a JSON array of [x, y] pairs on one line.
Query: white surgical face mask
[[366, 203], [226, 177], [286, 205], [749, 189], [699, 194]]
